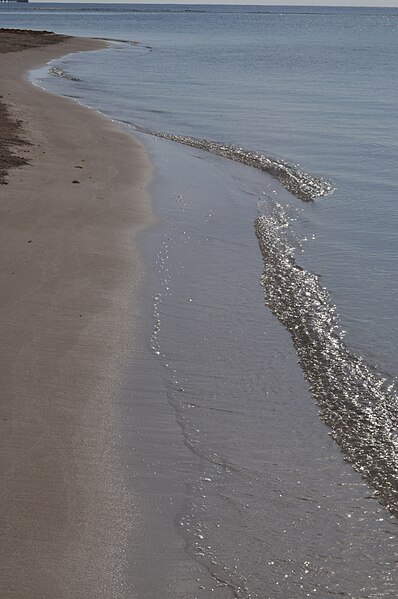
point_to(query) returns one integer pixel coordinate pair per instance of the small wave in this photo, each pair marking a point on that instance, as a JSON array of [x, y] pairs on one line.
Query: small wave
[[58, 72], [354, 400], [301, 184], [123, 41]]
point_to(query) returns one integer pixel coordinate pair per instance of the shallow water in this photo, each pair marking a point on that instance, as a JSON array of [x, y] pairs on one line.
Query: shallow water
[[273, 511], [248, 339]]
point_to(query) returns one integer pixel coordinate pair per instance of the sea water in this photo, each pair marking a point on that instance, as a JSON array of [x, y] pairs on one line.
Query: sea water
[[272, 277]]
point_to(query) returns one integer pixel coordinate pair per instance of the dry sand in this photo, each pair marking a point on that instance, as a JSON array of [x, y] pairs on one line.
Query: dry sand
[[67, 276], [15, 40]]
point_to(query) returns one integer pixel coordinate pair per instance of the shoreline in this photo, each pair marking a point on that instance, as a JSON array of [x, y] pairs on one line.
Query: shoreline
[[67, 278]]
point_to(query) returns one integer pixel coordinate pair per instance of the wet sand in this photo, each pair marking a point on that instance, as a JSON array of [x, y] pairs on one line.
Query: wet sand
[[67, 277]]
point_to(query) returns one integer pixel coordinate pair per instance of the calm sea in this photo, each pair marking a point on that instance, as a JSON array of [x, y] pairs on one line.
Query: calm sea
[[271, 297]]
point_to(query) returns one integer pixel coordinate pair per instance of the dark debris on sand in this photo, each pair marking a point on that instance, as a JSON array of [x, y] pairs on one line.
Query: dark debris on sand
[[10, 140], [15, 40]]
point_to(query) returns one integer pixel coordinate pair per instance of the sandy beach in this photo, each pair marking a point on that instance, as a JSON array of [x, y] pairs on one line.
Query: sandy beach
[[67, 277]]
